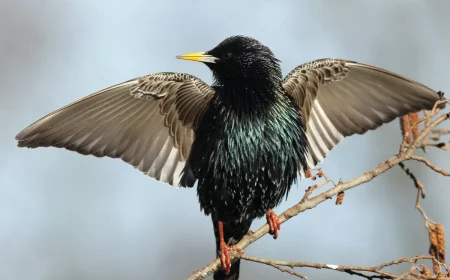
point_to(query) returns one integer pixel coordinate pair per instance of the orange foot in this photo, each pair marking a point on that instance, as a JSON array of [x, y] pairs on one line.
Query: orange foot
[[274, 223], [225, 256], [225, 259]]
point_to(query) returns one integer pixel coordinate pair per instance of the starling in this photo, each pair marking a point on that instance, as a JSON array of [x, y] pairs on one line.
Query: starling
[[244, 140]]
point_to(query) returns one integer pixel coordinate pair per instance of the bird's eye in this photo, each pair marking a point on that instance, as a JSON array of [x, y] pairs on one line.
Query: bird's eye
[[227, 55]]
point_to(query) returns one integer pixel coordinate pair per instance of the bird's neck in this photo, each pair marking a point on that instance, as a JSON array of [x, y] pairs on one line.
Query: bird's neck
[[249, 92]]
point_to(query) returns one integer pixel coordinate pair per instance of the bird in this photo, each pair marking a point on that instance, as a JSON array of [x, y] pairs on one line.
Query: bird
[[244, 140]]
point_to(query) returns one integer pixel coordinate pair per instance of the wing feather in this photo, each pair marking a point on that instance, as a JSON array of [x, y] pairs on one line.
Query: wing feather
[[339, 98], [148, 122]]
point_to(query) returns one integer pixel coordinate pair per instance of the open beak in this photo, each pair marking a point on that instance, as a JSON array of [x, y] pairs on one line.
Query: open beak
[[198, 56]]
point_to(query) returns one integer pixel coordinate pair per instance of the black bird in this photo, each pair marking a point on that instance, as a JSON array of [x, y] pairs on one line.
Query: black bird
[[244, 140]]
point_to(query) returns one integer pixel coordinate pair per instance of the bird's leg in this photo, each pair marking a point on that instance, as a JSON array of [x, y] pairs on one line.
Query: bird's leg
[[224, 250], [274, 223]]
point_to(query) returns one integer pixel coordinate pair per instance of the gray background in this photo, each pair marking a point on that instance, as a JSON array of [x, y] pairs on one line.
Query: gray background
[[67, 216]]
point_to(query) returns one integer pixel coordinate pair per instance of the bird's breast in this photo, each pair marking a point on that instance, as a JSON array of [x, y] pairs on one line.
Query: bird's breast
[[246, 159]]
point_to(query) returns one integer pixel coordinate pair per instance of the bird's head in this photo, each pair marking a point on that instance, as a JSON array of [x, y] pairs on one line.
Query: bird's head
[[237, 59]]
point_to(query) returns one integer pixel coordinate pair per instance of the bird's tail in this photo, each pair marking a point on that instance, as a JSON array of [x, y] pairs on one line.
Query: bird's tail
[[233, 232]]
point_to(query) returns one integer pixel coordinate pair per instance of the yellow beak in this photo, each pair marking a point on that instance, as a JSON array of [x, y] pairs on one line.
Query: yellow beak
[[198, 56]]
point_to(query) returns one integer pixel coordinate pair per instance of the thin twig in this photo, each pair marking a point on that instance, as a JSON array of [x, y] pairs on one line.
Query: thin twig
[[436, 134], [430, 165], [416, 181], [376, 271], [440, 145], [276, 264]]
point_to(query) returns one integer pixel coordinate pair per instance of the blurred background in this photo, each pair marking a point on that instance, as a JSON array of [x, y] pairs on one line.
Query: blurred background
[[67, 216]]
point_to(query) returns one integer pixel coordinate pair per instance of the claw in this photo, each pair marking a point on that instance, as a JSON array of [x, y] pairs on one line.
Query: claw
[[274, 223]]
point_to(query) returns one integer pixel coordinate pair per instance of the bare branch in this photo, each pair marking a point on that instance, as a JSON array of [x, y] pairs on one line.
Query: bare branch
[[430, 165], [376, 272]]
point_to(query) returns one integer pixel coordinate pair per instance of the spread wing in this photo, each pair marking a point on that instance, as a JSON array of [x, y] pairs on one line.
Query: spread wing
[[148, 122], [339, 98]]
